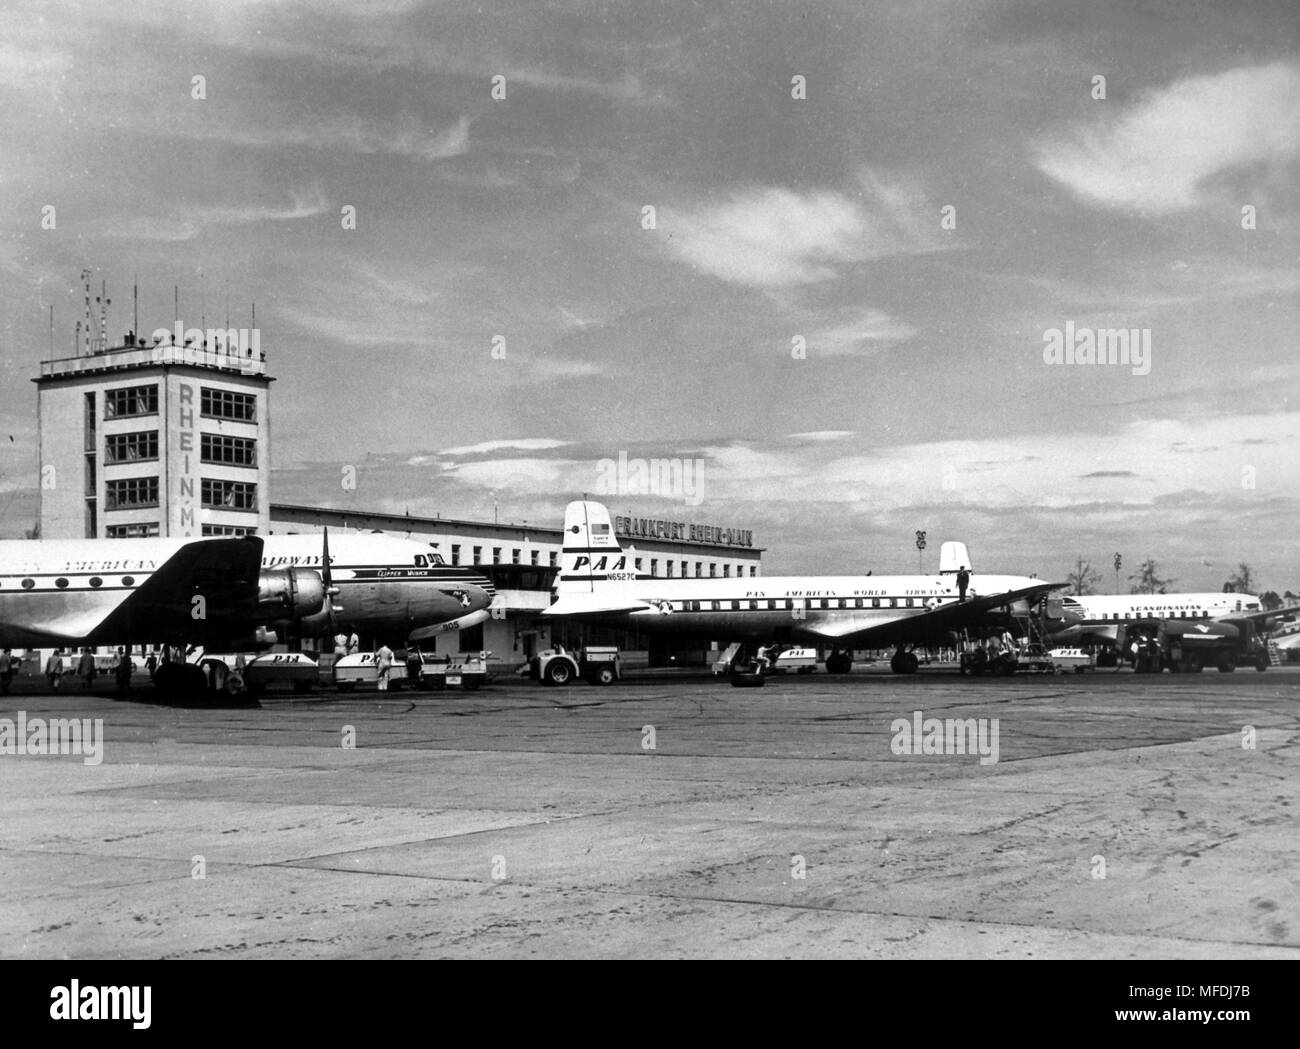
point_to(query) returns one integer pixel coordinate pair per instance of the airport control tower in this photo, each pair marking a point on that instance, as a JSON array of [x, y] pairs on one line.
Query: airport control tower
[[161, 436]]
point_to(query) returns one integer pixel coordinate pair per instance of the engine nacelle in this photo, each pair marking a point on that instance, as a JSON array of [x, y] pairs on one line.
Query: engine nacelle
[[290, 594], [463, 623]]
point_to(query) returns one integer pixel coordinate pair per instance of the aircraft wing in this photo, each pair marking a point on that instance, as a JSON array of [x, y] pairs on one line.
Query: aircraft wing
[[1260, 618], [867, 633], [223, 572], [596, 605]]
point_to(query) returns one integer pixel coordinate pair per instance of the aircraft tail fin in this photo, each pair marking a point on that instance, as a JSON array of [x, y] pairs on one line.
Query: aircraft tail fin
[[592, 553], [953, 557]]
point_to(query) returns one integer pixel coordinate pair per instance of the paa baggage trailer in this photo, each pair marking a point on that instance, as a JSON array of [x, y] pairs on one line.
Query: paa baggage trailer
[[1075, 659], [465, 670], [295, 669]]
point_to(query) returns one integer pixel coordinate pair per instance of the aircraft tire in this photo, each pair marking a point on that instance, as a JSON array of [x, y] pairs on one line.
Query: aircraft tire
[[558, 672]]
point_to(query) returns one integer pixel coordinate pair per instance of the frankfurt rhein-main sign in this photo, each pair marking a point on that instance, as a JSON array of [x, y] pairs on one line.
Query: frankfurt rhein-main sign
[[682, 531]]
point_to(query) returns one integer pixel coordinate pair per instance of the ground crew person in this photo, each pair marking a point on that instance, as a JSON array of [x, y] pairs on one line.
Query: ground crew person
[[383, 667]]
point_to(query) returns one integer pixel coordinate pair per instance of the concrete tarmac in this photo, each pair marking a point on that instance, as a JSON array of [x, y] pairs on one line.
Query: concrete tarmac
[[1126, 816]]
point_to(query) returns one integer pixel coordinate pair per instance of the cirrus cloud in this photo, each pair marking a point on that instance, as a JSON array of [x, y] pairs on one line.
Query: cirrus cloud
[[1156, 156]]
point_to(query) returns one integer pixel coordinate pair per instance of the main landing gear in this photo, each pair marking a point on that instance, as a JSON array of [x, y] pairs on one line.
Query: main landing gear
[[840, 661], [904, 662]]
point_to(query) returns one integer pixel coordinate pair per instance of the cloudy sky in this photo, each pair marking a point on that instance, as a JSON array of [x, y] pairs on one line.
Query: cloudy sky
[[651, 245]]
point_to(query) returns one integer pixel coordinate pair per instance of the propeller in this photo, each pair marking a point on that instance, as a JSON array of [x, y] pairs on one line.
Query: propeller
[[327, 577]]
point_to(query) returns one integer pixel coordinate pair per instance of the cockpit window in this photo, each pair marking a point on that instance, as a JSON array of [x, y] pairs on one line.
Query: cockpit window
[[421, 561], [436, 559]]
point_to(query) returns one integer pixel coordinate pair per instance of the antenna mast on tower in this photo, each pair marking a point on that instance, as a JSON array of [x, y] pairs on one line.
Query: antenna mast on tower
[[101, 343], [84, 327]]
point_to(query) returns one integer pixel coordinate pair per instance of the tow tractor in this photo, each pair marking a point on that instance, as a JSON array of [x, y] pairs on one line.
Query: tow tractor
[[596, 664]]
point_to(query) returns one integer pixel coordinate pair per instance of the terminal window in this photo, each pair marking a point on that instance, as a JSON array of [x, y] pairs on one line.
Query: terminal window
[[654, 566], [699, 569], [230, 530], [131, 447], [478, 554], [455, 553], [496, 555], [238, 451], [514, 556], [133, 491], [227, 404], [229, 495], [131, 400], [135, 530], [554, 558], [534, 556]]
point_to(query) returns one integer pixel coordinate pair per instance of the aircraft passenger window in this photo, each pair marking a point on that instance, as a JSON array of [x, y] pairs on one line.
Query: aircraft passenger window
[[95, 581], [857, 602], [28, 583], [61, 583], [909, 603], [128, 580], [875, 602]]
